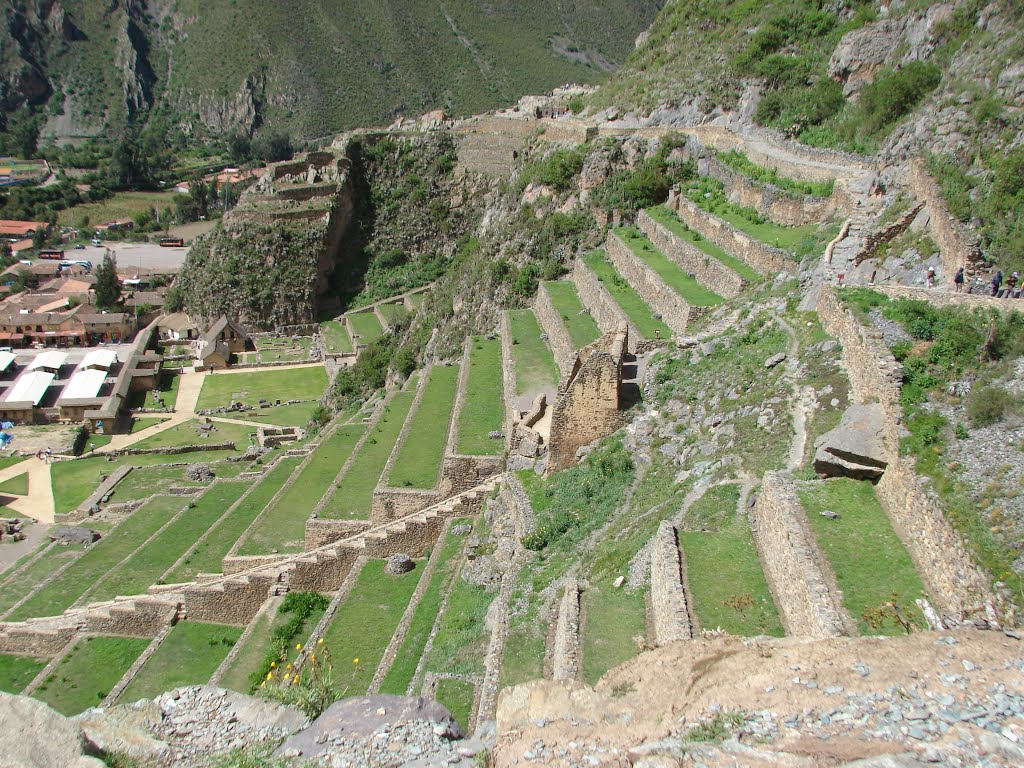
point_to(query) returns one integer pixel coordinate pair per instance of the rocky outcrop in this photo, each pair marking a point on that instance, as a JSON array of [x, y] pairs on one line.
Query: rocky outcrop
[[37, 737], [856, 448]]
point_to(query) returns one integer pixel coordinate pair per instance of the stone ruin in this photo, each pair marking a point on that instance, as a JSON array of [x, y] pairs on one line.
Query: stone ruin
[[398, 564], [198, 473]]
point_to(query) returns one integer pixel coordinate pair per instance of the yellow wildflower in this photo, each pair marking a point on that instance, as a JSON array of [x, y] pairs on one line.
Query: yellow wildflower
[[269, 675], [355, 660], [273, 664], [320, 641], [298, 646]]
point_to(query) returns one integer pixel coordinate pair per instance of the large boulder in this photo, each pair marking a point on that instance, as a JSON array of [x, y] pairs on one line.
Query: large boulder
[[855, 448], [34, 736]]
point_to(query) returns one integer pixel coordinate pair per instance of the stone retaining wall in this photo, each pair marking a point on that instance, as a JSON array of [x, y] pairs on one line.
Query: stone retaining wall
[[173, 450], [393, 503], [565, 650], [606, 312], [460, 473], [107, 486], [939, 297], [875, 240], [676, 313], [138, 664], [794, 572], [766, 259], [669, 609], [552, 325], [320, 532], [709, 272], [958, 244]]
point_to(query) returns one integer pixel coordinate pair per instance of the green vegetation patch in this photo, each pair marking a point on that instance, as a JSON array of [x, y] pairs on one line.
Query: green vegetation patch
[[298, 614], [613, 623], [365, 327], [168, 394], [187, 434], [16, 672], [353, 496], [870, 562], [364, 624], [457, 698], [536, 368], [250, 387], [17, 485], [393, 313], [580, 325], [693, 292], [418, 462], [461, 638], [740, 162], [293, 415], [636, 309], [189, 655], [86, 675], [34, 575], [335, 337], [483, 409], [668, 218]]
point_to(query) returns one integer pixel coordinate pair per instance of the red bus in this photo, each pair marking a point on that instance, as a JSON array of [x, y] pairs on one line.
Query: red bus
[[51, 255], [171, 242]]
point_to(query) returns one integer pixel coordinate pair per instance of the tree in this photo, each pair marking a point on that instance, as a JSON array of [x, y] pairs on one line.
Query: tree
[[108, 289]]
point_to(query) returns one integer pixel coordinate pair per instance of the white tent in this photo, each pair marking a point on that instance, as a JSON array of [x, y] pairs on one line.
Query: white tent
[[30, 388]]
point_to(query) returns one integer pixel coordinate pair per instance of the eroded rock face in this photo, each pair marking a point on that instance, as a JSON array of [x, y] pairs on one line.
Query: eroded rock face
[[37, 737], [856, 448]]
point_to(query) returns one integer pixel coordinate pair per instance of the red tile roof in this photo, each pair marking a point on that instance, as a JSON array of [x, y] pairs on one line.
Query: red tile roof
[[13, 228]]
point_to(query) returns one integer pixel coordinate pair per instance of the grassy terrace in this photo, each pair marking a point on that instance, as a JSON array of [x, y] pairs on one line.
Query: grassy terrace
[[168, 389], [147, 565], [99, 558], [869, 560], [283, 526], [353, 496], [365, 326], [87, 674], [403, 669], [694, 293], [457, 697], [294, 415], [418, 463], [768, 232], [461, 640], [581, 326], [250, 387], [335, 338], [188, 656], [483, 410], [668, 219], [536, 368], [145, 481], [393, 313], [416, 299], [35, 574], [187, 434], [743, 164], [16, 485], [374, 606], [18, 671], [636, 309], [612, 620], [727, 584]]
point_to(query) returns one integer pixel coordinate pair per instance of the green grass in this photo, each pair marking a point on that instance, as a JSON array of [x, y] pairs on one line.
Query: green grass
[[16, 672], [483, 409], [693, 292], [190, 654], [86, 675], [138, 424], [418, 463], [354, 494], [393, 314], [535, 366], [294, 415], [186, 434], [374, 606], [670, 220], [636, 309], [145, 481], [169, 392], [457, 698], [17, 485], [122, 205], [335, 338], [10, 461], [461, 638], [36, 573], [581, 326], [251, 386], [869, 560], [148, 564], [416, 299], [740, 162], [60, 593], [767, 232], [283, 527], [403, 669], [722, 565], [614, 619], [365, 327], [283, 349]]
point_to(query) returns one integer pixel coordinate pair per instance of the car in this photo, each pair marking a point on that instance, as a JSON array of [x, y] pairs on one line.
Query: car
[[6, 349], [79, 247], [97, 242]]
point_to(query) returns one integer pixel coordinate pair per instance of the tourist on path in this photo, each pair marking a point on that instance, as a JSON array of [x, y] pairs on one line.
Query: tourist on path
[[996, 282], [958, 280]]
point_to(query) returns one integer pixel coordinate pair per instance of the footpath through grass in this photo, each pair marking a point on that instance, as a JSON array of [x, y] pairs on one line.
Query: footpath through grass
[[353, 496], [580, 325], [250, 387], [189, 655], [418, 463], [365, 327], [483, 410], [869, 560], [365, 622], [636, 309], [535, 366], [670, 221], [87, 674], [18, 671], [693, 292]]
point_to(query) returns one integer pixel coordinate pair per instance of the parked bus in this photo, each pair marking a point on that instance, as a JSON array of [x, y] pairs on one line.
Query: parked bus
[[171, 242], [51, 255]]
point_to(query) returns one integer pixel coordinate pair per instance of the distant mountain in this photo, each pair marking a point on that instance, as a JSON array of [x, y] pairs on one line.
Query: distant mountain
[[312, 67]]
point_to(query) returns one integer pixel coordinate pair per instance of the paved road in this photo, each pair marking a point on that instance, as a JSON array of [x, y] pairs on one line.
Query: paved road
[[147, 255]]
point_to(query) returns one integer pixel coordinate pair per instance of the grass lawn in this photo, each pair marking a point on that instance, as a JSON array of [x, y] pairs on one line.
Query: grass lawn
[[36, 573], [251, 386], [418, 463], [10, 461], [461, 638], [483, 410], [88, 569], [723, 569], [768, 232], [693, 292], [211, 551], [190, 654], [374, 606], [536, 368], [580, 325], [145, 481], [18, 671], [284, 349], [147, 565], [365, 327], [353, 496], [17, 485], [457, 697], [168, 393], [636, 309], [403, 669], [393, 313], [417, 298], [187, 433], [87, 674], [138, 424], [335, 338], [670, 220], [613, 619], [122, 205], [870, 562], [294, 415], [283, 527]]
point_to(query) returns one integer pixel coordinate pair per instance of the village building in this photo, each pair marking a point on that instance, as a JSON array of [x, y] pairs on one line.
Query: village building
[[13, 230]]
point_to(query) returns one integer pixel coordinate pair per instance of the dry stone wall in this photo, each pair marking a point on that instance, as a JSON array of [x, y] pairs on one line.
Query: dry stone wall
[[794, 572], [393, 503], [708, 271], [940, 298], [554, 328], [321, 532], [603, 308], [958, 244], [565, 651], [669, 610], [460, 473], [886, 234]]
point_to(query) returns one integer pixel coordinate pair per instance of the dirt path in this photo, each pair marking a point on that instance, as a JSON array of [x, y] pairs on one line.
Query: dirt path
[[803, 399], [38, 504]]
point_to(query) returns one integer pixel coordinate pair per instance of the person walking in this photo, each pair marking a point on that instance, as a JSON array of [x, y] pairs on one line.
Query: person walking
[[958, 280], [930, 277], [1011, 285], [996, 282]]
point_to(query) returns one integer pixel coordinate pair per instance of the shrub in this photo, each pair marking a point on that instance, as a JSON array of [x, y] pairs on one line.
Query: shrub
[[989, 404], [894, 94]]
